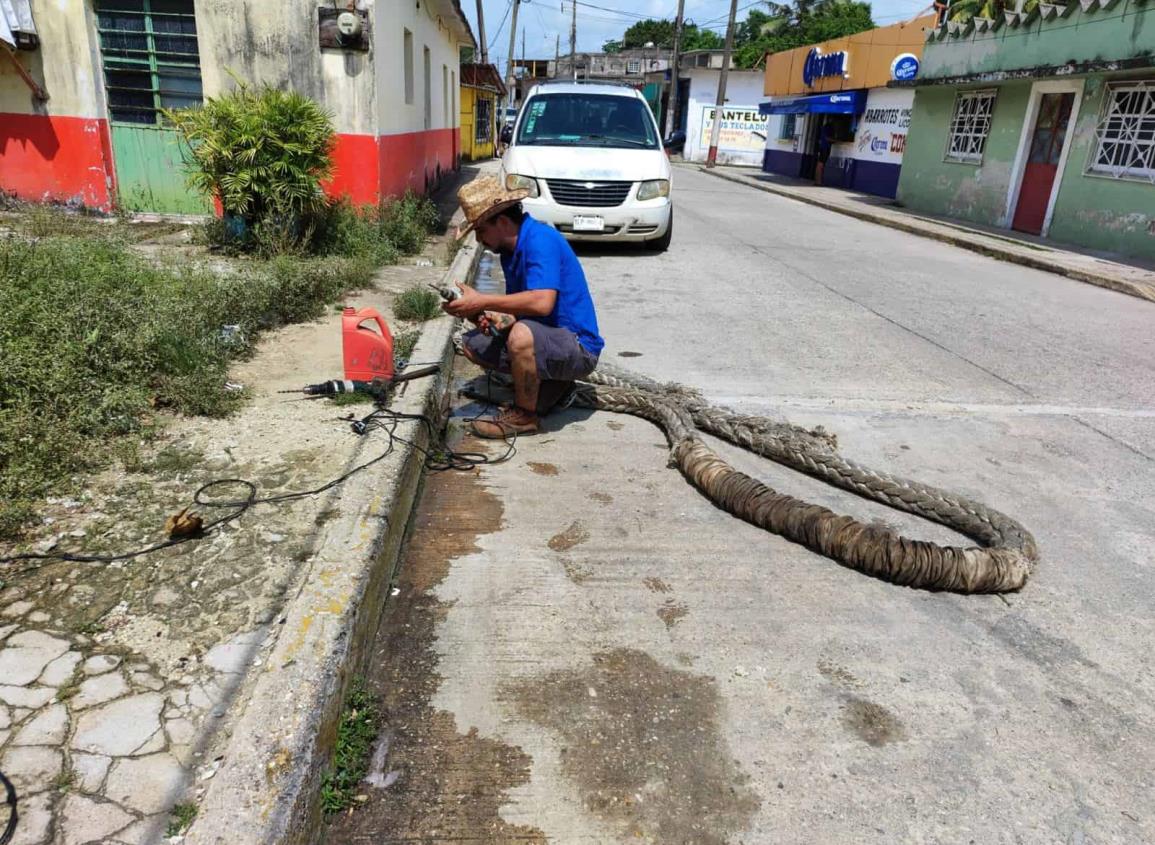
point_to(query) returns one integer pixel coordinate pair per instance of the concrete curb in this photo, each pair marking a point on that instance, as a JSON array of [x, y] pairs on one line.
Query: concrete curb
[[267, 787], [985, 246]]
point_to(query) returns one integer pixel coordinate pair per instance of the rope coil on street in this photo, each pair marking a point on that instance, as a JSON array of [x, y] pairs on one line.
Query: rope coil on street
[[1002, 563]]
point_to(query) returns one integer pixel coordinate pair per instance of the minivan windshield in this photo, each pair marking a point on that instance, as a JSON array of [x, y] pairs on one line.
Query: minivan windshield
[[588, 120]]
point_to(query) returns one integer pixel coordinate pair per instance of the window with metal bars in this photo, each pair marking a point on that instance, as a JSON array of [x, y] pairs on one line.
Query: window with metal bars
[[483, 130], [1125, 135], [970, 125], [150, 57]]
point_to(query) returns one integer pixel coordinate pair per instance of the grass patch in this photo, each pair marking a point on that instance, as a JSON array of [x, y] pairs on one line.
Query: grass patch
[[417, 304], [355, 735], [405, 343], [94, 338], [182, 817]]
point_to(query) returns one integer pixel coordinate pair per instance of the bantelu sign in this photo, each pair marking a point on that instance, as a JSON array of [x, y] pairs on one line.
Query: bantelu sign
[[818, 65]]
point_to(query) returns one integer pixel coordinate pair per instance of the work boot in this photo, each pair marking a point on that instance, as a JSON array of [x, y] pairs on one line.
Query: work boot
[[510, 421]]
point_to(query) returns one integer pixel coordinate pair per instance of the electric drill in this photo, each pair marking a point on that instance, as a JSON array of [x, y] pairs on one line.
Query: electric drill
[[450, 294]]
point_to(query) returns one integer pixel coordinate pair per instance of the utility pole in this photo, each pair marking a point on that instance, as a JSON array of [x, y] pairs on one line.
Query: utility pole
[[557, 56], [481, 33], [712, 158], [511, 82], [523, 46], [672, 102], [573, 41]]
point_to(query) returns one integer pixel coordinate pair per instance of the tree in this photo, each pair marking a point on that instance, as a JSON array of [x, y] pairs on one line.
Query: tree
[[661, 33]]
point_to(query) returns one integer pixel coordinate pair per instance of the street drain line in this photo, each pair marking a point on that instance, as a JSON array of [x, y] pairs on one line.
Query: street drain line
[[1002, 563]]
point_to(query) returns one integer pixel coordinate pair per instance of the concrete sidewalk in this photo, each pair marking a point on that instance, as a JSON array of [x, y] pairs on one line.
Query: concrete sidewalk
[[1039, 253]]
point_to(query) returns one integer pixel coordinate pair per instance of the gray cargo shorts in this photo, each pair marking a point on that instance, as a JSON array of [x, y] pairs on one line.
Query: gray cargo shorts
[[559, 354]]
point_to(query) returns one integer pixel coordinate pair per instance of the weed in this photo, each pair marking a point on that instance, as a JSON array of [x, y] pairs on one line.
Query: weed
[[182, 816], [355, 734], [356, 398], [417, 304], [404, 344], [94, 337], [64, 780], [452, 247]]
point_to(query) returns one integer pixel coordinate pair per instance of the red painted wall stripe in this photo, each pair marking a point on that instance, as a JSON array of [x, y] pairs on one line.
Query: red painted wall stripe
[[65, 159], [410, 160], [355, 169]]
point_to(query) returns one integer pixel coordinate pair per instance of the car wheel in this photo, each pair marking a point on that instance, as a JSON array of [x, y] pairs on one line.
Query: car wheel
[[663, 243]]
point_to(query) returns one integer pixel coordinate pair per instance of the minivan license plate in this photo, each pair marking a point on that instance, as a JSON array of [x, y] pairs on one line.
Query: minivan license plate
[[589, 224]]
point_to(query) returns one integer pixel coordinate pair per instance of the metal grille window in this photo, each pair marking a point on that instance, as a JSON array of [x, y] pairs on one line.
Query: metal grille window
[[484, 128], [1125, 136], [151, 60], [788, 128], [634, 66], [970, 126]]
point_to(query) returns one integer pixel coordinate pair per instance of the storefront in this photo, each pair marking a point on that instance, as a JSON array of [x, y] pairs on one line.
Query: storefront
[[834, 96], [1043, 122]]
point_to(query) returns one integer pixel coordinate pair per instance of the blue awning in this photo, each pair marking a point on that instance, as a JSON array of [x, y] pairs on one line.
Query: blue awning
[[838, 102]]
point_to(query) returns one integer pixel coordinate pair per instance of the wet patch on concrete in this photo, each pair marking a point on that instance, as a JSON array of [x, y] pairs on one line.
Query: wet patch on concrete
[[604, 498], [614, 425], [628, 354], [575, 535], [871, 722], [657, 585], [837, 674], [576, 572], [643, 745], [443, 785], [673, 612], [542, 468]]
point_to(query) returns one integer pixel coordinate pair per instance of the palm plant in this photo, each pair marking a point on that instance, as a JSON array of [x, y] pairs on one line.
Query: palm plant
[[262, 153]]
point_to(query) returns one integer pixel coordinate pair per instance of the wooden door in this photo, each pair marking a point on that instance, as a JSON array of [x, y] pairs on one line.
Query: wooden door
[[1043, 162]]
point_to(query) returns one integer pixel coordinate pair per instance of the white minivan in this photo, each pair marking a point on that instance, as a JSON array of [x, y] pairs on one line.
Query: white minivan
[[591, 157]]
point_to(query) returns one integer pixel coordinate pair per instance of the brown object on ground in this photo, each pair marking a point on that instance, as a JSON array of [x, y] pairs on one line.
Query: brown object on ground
[[1003, 565], [183, 524], [507, 423]]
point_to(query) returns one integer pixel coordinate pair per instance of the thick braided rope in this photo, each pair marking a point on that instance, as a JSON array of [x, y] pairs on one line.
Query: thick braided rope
[[872, 549], [814, 453]]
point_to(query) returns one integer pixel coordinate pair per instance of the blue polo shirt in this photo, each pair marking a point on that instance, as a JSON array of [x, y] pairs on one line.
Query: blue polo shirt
[[544, 260]]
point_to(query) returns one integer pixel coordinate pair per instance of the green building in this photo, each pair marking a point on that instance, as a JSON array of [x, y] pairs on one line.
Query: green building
[[1039, 118]]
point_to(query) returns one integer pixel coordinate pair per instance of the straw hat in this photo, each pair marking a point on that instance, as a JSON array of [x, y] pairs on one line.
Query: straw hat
[[484, 197]]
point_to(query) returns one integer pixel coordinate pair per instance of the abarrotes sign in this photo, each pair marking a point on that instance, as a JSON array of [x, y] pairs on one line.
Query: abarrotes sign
[[819, 65]]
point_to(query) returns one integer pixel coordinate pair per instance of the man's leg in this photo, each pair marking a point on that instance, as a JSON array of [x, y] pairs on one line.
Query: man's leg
[[523, 365], [522, 417]]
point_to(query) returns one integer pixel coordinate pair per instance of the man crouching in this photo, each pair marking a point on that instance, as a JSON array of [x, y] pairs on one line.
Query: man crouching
[[544, 327]]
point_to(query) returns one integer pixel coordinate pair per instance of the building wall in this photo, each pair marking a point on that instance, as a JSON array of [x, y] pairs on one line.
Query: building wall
[[743, 89], [277, 45], [1090, 210], [1126, 30], [870, 55], [1098, 211], [974, 192], [414, 156], [59, 150]]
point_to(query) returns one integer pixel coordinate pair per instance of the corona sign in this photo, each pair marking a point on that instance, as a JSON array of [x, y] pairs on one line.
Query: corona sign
[[819, 65]]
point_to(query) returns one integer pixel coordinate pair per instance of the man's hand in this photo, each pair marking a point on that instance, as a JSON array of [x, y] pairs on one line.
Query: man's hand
[[469, 305], [496, 320]]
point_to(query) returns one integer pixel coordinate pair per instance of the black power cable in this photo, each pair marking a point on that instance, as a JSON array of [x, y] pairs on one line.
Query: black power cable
[[10, 827], [382, 419]]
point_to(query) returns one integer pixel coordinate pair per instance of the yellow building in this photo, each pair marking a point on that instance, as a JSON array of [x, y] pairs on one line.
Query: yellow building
[[830, 103], [481, 90]]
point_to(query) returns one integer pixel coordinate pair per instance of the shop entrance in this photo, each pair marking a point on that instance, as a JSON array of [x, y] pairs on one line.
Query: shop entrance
[[1043, 157]]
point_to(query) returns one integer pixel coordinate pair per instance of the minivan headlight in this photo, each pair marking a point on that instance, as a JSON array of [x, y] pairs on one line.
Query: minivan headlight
[[514, 182], [653, 189]]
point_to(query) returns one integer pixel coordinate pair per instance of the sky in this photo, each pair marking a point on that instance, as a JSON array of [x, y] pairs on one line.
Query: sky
[[599, 21]]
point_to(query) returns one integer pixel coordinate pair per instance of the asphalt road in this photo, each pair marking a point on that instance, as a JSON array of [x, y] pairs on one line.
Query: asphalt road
[[585, 650]]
